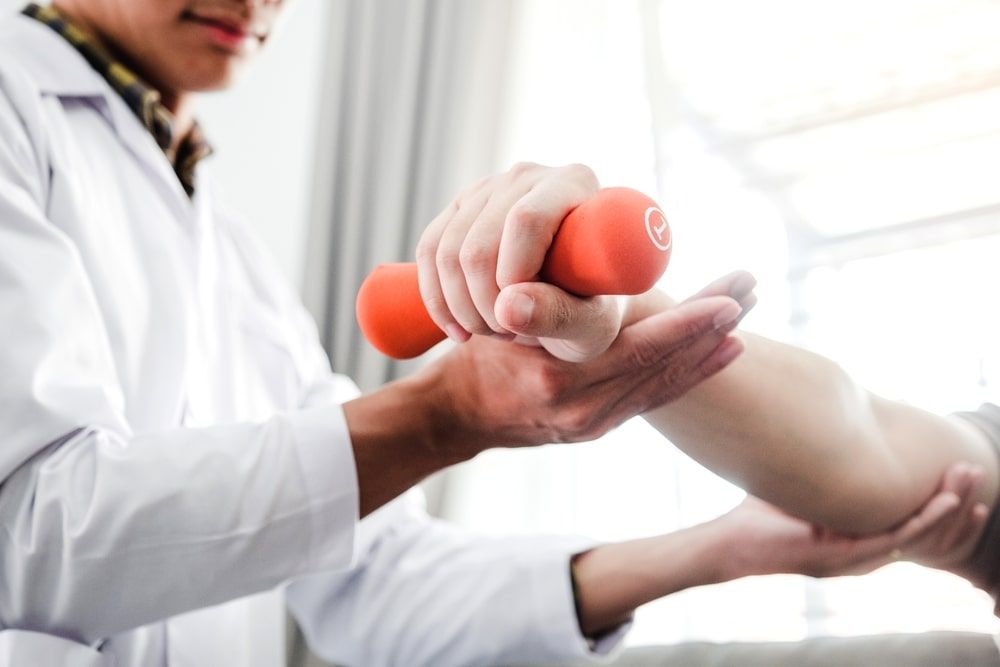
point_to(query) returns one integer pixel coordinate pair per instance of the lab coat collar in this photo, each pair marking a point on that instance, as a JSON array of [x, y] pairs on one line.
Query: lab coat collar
[[59, 70], [52, 62]]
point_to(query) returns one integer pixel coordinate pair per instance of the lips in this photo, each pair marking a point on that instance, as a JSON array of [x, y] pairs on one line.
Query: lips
[[229, 27]]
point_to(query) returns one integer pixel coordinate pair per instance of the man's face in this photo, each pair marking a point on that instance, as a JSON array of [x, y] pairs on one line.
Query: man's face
[[181, 45]]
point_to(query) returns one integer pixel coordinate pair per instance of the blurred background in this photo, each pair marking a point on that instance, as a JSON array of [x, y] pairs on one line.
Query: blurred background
[[848, 154]]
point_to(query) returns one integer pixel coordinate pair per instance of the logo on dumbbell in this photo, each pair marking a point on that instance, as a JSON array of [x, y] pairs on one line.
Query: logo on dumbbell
[[657, 228]]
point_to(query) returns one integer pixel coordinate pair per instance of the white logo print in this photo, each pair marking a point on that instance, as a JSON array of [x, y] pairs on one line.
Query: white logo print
[[657, 233]]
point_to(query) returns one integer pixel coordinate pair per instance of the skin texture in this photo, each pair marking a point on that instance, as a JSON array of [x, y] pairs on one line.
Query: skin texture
[[584, 365]]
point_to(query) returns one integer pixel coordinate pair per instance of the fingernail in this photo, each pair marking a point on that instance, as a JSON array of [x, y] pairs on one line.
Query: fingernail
[[727, 315], [521, 308], [457, 333], [742, 285]]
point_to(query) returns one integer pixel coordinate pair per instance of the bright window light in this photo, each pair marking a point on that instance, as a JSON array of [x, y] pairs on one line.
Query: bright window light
[[846, 153]]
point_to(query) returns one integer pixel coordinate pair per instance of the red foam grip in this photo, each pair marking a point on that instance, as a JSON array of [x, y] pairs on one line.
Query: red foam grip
[[618, 242]]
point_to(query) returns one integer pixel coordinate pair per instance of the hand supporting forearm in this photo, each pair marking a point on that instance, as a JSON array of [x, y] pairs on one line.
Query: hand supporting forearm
[[755, 539]]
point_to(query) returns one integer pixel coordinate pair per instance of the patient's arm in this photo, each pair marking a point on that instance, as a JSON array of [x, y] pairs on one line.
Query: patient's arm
[[793, 428], [757, 538]]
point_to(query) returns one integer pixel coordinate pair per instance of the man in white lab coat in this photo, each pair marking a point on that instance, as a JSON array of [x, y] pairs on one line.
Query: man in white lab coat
[[174, 448]]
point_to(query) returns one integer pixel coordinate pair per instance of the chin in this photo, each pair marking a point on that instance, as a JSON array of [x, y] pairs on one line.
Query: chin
[[210, 79]]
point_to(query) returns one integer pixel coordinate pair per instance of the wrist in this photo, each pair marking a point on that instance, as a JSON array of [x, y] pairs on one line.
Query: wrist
[[393, 436], [444, 434]]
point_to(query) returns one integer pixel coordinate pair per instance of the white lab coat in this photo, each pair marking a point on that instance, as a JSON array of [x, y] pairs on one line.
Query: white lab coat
[[172, 451]]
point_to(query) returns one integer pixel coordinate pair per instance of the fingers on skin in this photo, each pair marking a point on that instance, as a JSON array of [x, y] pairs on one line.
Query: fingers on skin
[[736, 285], [646, 343], [940, 506], [726, 353], [532, 222], [674, 375], [739, 286], [972, 523], [970, 478], [948, 519]]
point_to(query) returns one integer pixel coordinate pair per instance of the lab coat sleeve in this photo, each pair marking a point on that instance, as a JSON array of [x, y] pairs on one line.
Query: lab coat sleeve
[[428, 593], [103, 529], [424, 592]]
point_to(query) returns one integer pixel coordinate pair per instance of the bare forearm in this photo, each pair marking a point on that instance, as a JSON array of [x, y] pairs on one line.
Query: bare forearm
[[793, 428], [393, 435], [614, 579]]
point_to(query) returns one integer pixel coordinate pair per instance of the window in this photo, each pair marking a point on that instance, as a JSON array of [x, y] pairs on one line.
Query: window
[[848, 155]]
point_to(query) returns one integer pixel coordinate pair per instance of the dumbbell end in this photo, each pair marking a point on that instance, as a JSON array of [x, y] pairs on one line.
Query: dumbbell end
[[392, 315]]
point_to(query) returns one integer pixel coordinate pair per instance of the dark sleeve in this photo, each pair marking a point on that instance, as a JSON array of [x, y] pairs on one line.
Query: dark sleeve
[[984, 564]]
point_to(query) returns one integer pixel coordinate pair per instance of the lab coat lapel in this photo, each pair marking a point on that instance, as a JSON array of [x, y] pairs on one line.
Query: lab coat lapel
[[61, 71], [138, 140]]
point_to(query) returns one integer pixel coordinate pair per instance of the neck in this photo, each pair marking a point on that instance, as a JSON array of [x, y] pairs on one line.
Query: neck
[[181, 105]]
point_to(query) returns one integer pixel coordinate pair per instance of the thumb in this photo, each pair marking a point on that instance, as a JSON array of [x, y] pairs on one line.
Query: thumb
[[583, 327]]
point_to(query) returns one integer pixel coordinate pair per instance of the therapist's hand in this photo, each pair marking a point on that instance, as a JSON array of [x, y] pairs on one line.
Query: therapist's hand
[[757, 538], [765, 540], [491, 393], [479, 259]]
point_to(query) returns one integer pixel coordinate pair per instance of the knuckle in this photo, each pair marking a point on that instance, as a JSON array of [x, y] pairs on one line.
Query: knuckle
[[577, 424], [527, 221], [476, 258], [472, 190], [523, 168], [447, 259], [584, 174], [561, 314], [426, 248], [552, 384]]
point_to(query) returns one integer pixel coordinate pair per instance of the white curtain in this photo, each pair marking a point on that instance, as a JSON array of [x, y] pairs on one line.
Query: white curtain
[[410, 115]]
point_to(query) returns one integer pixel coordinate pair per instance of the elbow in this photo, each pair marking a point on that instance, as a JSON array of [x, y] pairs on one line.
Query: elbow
[[868, 500]]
